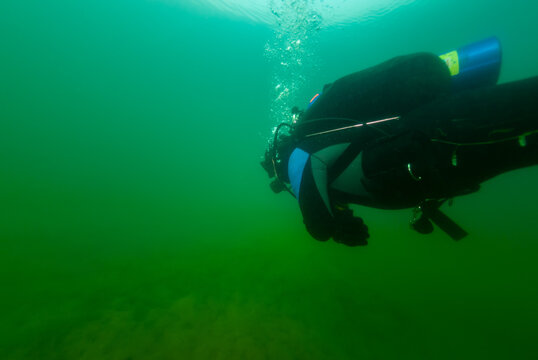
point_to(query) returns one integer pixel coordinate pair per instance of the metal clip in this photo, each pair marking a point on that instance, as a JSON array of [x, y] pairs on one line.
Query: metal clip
[[413, 176], [454, 159], [522, 140]]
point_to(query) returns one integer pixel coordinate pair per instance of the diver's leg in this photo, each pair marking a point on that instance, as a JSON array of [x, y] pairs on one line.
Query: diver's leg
[[480, 114], [463, 168], [479, 134]]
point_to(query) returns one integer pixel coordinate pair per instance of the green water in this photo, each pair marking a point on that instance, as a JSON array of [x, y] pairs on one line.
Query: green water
[[136, 222]]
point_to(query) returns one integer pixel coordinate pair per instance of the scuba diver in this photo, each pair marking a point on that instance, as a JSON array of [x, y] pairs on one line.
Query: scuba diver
[[412, 132]]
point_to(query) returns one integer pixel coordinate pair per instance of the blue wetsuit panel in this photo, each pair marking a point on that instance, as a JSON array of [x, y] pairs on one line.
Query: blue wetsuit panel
[[296, 167]]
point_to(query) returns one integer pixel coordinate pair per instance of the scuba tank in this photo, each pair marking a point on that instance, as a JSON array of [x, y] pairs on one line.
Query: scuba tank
[[475, 65]]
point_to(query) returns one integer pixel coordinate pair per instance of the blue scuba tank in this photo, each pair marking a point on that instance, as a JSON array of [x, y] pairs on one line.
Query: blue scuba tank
[[475, 65]]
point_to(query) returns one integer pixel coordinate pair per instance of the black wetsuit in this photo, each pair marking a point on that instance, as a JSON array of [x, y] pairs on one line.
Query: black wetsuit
[[438, 143]]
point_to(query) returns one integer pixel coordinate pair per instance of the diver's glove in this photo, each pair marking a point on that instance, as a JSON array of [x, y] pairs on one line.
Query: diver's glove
[[350, 230]]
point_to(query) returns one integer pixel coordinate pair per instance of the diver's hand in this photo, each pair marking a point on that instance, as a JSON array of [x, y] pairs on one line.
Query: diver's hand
[[351, 231]]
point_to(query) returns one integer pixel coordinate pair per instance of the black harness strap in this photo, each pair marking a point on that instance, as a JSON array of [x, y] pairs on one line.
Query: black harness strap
[[341, 164]]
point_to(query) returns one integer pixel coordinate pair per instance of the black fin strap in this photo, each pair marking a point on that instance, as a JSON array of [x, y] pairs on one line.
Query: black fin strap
[[445, 223]]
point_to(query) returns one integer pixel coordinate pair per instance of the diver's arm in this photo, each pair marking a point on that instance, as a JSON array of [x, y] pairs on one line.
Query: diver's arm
[[321, 217], [316, 211]]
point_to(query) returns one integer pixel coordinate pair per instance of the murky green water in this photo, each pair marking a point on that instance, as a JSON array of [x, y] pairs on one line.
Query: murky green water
[[136, 222]]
